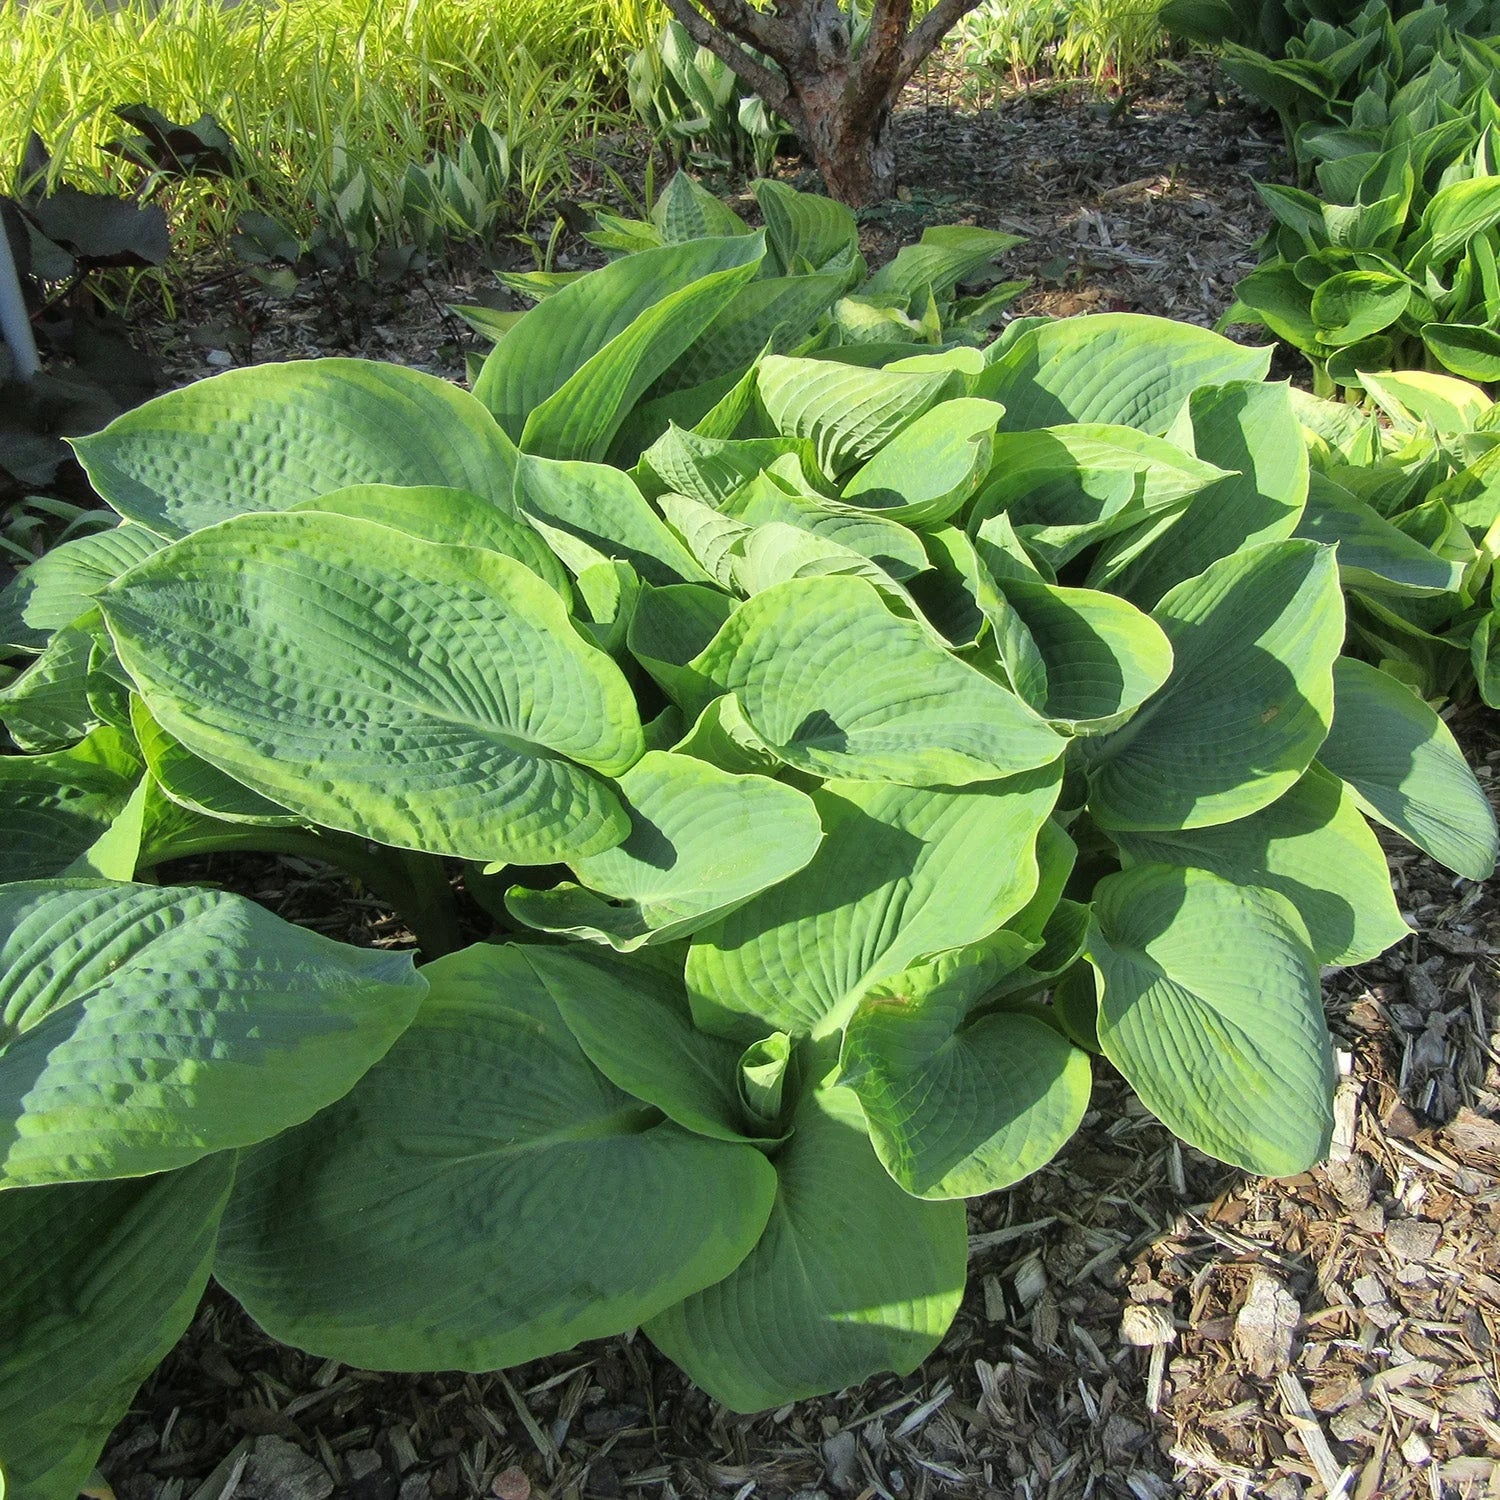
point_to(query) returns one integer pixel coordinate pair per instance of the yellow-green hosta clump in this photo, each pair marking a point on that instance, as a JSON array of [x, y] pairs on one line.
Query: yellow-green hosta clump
[[853, 746]]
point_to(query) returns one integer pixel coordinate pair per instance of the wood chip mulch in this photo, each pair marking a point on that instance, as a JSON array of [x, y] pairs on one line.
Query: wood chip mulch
[[1142, 1322]]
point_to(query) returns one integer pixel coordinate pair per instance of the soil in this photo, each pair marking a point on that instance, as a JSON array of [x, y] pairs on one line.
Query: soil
[[1141, 1321]]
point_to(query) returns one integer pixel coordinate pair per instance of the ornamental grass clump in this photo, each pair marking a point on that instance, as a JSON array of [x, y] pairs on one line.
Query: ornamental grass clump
[[852, 745]]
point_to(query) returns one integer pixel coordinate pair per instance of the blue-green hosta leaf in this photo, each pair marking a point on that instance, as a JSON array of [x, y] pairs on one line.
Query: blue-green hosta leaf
[[1067, 487], [931, 467], [1249, 700], [101, 1279], [53, 807], [601, 507], [959, 1107], [142, 1026], [603, 339], [1313, 847], [1088, 659], [776, 552], [195, 784], [453, 517], [852, 1276], [946, 255], [764, 1072], [423, 1223], [1211, 1008], [902, 872], [805, 226], [712, 537], [437, 699], [848, 413], [116, 853], [266, 438], [838, 685], [1112, 367], [1374, 556], [701, 842], [60, 585], [1250, 430], [633, 1023], [1406, 770]]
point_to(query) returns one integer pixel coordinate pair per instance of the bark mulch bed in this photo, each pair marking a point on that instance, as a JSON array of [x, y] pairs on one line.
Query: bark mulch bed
[[1142, 1322]]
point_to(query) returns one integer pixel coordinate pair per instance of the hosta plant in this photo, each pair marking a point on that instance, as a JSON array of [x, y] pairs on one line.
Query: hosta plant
[[813, 290], [1412, 498], [840, 761]]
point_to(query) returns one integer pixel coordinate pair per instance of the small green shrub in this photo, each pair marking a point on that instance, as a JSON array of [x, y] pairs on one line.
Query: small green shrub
[[847, 746]]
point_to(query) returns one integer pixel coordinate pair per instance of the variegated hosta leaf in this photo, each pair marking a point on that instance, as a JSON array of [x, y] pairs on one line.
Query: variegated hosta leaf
[[931, 467], [1405, 769], [437, 699], [838, 685], [1113, 367], [959, 1107], [1211, 1008], [701, 842], [803, 1314], [142, 1026], [101, 1279], [484, 1196], [266, 438], [848, 413], [901, 872], [453, 517], [1249, 700], [1310, 845]]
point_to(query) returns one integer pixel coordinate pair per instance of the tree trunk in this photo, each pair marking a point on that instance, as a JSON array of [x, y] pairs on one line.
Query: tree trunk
[[852, 149]]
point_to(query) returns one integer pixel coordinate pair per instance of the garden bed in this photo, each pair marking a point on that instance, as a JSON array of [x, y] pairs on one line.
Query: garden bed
[[1331, 1333]]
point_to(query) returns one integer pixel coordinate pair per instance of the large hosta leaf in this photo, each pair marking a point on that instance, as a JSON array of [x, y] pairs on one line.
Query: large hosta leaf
[[930, 468], [484, 1196], [1250, 430], [848, 413], [60, 585], [53, 807], [266, 438], [434, 699], [632, 1021], [1406, 770], [602, 508], [1249, 700], [838, 685], [1113, 367], [1067, 487], [701, 842], [143, 1026], [1311, 845], [101, 1279], [1211, 1008], [901, 873], [956, 1107], [852, 1276]]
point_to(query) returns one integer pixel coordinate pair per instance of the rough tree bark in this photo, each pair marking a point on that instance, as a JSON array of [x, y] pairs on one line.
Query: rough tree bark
[[837, 100]]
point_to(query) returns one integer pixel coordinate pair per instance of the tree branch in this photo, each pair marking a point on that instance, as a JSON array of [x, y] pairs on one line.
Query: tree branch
[[770, 85], [935, 25], [880, 60]]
